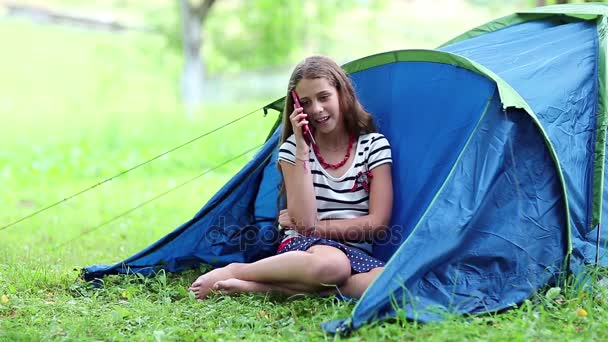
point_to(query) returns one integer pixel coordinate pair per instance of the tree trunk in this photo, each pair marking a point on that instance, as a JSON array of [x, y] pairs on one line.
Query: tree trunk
[[193, 76], [540, 3]]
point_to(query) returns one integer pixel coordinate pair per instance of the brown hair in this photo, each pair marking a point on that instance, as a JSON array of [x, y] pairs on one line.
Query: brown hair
[[357, 121]]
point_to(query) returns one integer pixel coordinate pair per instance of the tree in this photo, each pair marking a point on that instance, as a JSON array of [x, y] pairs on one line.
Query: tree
[[250, 34], [258, 34], [193, 16]]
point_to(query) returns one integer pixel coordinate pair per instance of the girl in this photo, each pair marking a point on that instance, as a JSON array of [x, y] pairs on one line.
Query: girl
[[339, 194]]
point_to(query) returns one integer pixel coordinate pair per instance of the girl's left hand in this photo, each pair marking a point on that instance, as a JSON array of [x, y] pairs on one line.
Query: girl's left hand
[[285, 220]]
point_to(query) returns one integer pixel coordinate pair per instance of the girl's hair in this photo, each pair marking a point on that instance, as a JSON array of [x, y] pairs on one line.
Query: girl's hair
[[356, 120]]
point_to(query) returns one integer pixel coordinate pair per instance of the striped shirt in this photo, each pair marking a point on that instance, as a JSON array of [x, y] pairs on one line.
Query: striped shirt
[[335, 196]]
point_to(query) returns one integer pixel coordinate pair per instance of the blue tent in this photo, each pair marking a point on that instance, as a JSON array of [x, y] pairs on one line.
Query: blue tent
[[498, 140]]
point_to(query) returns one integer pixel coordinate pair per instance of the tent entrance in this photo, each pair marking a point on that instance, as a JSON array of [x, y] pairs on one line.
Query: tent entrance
[[428, 111]]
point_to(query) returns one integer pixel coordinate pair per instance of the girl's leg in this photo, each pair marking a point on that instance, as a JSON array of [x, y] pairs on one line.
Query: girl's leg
[[354, 286], [309, 270], [358, 283], [231, 286]]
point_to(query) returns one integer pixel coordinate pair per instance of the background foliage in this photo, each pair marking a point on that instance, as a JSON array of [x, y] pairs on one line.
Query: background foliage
[[81, 105]]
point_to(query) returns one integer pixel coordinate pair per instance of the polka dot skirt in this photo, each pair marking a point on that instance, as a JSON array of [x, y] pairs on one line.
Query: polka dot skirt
[[360, 262]]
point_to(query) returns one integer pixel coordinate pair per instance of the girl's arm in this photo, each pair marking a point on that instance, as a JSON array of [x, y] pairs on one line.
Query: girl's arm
[[301, 202], [380, 210]]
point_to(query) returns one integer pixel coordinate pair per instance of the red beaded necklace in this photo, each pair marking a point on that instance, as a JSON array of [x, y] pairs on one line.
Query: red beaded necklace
[[327, 165]]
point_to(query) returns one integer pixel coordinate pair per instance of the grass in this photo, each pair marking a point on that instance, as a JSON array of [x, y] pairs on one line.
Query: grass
[[78, 107]]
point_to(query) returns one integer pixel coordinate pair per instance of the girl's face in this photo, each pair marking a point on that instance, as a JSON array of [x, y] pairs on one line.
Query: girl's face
[[320, 101]]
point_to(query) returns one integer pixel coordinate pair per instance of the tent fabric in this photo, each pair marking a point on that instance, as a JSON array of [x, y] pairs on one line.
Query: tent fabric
[[485, 259], [553, 64], [498, 141], [565, 104]]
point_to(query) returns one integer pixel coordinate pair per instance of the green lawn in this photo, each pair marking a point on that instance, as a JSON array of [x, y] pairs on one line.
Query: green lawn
[[78, 107]]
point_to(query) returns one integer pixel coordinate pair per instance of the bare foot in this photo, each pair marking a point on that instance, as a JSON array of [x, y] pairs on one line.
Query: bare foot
[[233, 285], [204, 284]]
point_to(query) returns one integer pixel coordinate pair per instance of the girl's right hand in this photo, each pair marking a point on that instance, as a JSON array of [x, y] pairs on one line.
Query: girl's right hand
[[298, 120], [285, 220]]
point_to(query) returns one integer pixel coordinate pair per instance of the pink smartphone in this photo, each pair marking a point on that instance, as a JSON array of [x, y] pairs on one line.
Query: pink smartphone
[[296, 101]]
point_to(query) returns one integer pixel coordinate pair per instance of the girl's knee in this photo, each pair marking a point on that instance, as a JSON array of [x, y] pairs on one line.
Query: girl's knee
[[333, 270]]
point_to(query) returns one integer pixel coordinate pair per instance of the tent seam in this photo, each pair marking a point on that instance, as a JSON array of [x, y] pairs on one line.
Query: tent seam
[[600, 131]]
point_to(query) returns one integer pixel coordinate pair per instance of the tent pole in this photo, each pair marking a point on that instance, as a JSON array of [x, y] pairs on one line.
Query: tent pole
[[597, 247]]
